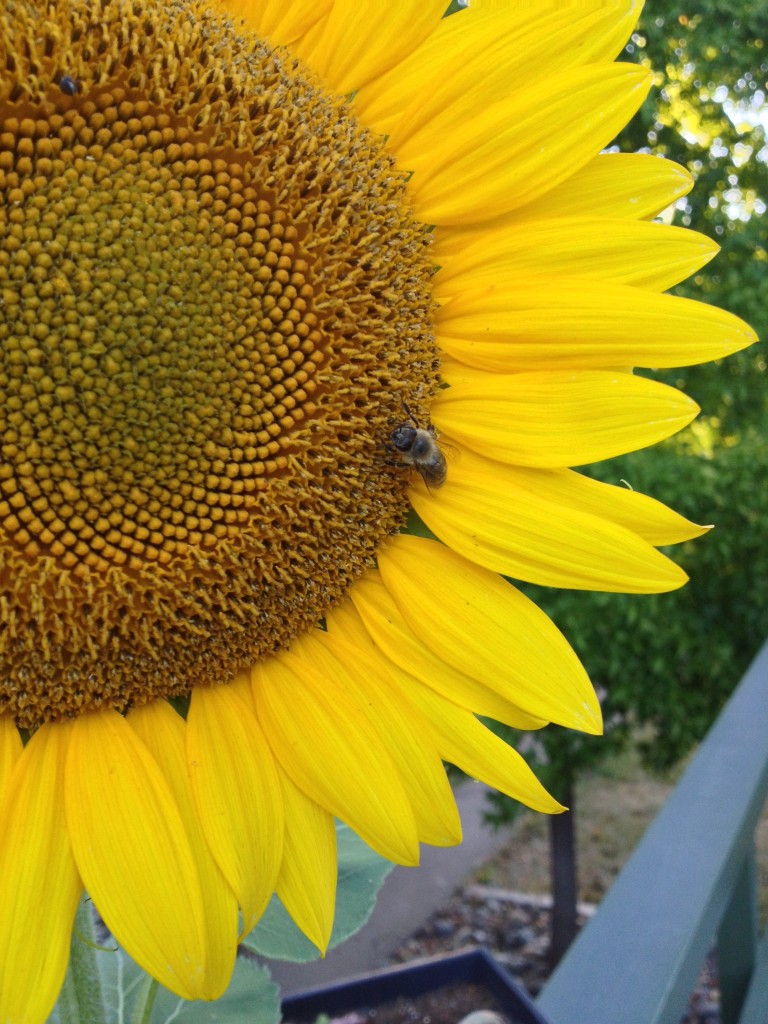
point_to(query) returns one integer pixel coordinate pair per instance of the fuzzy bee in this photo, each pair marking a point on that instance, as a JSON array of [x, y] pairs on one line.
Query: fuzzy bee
[[417, 447]]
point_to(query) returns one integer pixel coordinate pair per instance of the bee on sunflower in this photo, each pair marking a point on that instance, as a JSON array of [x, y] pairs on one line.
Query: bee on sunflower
[[236, 239]]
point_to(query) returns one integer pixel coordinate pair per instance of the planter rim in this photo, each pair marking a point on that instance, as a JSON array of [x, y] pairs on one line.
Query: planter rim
[[428, 974]]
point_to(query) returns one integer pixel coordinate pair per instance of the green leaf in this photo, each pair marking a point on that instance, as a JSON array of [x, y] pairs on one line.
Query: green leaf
[[361, 875], [252, 998], [132, 997]]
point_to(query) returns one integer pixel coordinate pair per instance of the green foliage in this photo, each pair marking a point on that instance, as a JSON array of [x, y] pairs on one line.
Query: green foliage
[[711, 65]]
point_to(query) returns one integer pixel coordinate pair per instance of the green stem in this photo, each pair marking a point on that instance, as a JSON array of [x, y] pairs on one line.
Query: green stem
[[81, 1000]]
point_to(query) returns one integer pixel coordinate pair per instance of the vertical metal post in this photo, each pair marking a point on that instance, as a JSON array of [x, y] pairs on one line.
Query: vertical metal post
[[562, 846], [737, 939]]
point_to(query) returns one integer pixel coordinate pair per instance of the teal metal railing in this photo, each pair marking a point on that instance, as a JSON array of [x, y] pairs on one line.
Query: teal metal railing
[[690, 885]]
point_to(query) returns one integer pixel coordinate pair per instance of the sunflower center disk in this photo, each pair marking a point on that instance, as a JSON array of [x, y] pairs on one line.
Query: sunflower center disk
[[214, 303]]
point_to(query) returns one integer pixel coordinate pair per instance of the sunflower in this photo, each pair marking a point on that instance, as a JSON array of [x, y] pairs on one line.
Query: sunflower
[[269, 272]]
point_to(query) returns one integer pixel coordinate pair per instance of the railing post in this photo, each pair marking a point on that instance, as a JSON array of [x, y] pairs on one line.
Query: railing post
[[737, 940]]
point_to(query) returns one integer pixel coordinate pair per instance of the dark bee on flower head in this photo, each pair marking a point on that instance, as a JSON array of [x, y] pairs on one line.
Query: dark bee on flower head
[[68, 85], [418, 447]]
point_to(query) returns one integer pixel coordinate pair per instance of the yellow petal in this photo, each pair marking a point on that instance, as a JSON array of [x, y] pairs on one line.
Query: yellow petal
[[162, 731], [510, 153], [359, 42], [486, 628], [133, 852], [638, 512], [237, 792], [463, 741], [326, 744], [556, 419], [459, 736], [493, 698], [307, 880], [643, 515], [628, 185], [639, 253], [298, 25], [345, 619], [494, 515], [283, 24], [10, 750], [540, 324], [368, 681], [480, 753], [484, 52], [41, 884]]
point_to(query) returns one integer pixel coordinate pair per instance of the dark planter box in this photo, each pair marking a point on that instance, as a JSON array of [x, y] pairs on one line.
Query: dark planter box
[[371, 990]]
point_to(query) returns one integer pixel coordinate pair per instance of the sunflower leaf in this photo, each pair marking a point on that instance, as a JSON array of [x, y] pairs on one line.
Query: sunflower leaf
[[129, 999], [251, 996], [361, 875]]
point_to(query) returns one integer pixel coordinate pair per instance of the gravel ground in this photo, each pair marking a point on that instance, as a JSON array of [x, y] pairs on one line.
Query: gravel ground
[[515, 928]]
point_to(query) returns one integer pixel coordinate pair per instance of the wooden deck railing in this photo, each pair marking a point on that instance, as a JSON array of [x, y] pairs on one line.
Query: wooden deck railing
[[690, 885]]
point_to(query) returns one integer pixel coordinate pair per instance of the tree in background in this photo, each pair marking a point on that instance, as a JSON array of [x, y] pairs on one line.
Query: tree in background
[[669, 661], [710, 114]]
